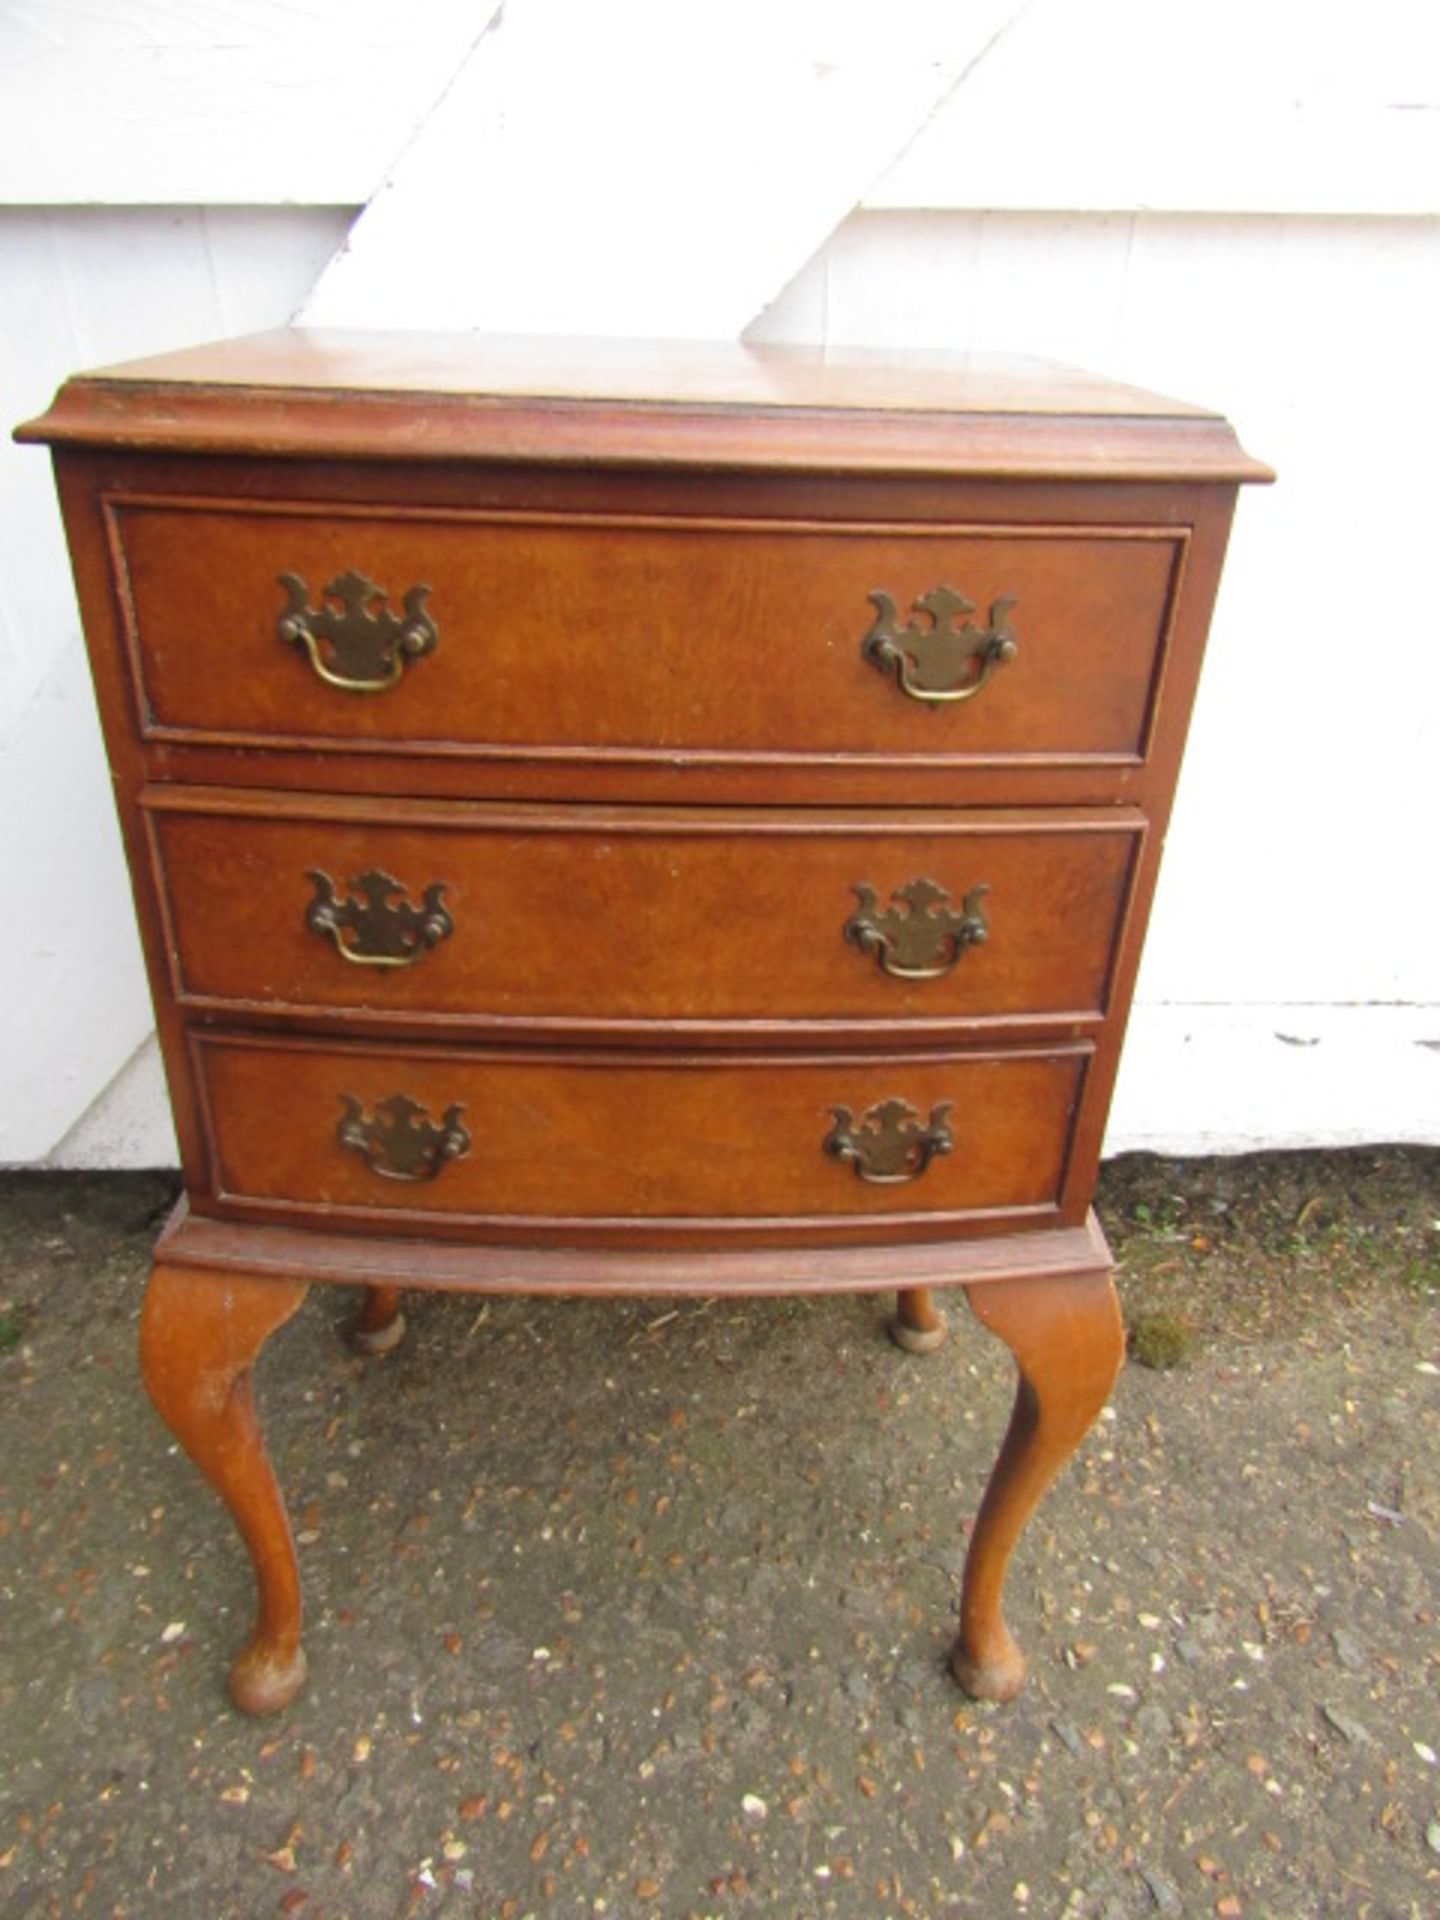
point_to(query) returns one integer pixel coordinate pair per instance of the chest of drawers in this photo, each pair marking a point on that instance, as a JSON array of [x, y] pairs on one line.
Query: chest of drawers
[[613, 819]]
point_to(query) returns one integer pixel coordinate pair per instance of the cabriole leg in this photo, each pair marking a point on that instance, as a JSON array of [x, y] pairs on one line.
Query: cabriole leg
[[1068, 1343], [380, 1325], [918, 1326], [200, 1332]]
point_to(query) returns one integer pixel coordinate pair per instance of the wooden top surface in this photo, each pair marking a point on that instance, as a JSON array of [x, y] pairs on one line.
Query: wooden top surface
[[405, 396]]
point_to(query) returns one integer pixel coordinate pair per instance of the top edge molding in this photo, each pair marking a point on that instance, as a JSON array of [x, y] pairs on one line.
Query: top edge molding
[[306, 394]]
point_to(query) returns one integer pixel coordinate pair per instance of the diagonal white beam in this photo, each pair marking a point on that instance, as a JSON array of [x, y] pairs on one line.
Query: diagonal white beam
[[646, 167]]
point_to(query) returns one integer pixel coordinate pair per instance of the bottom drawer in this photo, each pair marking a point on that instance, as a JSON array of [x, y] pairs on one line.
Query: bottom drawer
[[602, 1145]]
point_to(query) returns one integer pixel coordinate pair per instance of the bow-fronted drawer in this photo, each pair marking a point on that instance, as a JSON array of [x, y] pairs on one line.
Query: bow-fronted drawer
[[337, 628], [550, 1144], [736, 922]]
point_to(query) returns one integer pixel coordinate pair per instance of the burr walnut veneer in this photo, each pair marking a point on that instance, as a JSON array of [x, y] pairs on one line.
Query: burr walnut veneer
[[618, 818]]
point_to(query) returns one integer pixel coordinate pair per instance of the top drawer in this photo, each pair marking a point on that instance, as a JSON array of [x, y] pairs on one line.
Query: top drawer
[[639, 638]]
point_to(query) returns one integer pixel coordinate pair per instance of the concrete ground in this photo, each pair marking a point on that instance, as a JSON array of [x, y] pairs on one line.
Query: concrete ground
[[641, 1609]]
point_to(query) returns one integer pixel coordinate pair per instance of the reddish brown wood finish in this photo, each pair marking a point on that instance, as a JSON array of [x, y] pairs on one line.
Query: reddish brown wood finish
[[199, 1335], [591, 1145], [918, 1326], [373, 396], [373, 1260], [926, 774], [649, 762], [379, 1326], [720, 635], [1068, 1343], [596, 919]]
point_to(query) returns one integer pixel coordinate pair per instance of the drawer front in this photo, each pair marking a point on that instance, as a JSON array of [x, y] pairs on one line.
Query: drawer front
[[546, 1142], [639, 639], [588, 916]]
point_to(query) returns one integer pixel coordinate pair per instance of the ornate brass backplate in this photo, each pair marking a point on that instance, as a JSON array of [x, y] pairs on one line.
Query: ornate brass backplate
[[920, 935], [945, 660], [890, 1143], [384, 929], [399, 1140], [356, 644]]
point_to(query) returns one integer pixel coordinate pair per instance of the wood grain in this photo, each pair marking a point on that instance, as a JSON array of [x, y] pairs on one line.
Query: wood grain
[[342, 1258], [589, 634], [372, 396], [1068, 1342], [600, 1143], [200, 1334], [588, 918], [649, 764]]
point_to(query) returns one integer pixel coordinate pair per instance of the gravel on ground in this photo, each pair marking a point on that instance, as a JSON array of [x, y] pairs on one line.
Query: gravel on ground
[[642, 1608]]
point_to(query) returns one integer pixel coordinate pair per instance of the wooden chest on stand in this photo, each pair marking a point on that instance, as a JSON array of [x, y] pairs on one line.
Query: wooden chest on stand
[[615, 818]]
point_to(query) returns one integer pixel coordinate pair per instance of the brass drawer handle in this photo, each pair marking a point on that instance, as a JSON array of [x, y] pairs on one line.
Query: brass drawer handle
[[358, 644], [941, 662], [385, 929], [399, 1140], [920, 935], [890, 1143]]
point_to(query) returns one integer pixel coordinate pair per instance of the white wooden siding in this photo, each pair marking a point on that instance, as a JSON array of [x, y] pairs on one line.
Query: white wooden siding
[[78, 288], [1243, 105], [661, 176], [1239, 106], [215, 102]]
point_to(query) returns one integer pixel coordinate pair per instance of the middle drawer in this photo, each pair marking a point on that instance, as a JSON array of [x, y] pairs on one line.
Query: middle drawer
[[594, 918]]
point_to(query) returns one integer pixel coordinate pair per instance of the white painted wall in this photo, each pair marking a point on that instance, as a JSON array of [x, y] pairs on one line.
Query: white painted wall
[[1069, 177], [1239, 106], [219, 102], [662, 176], [80, 287]]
